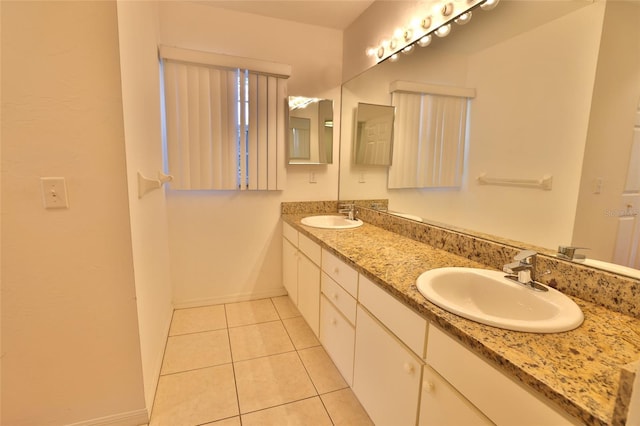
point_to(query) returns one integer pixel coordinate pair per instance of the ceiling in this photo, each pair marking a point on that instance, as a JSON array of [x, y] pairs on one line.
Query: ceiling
[[325, 13]]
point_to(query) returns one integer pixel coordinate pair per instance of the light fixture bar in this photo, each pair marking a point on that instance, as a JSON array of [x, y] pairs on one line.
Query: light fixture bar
[[421, 29]]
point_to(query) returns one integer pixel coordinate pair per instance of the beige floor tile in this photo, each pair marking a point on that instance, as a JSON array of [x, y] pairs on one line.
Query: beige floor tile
[[195, 397], [270, 381], [193, 320], [301, 413], [253, 341], [324, 374], [301, 334], [345, 409], [285, 307], [233, 421], [251, 312], [198, 350]]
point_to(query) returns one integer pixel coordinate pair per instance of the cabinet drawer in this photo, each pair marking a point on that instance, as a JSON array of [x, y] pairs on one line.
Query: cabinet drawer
[[500, 398], [309, 248], [338, 338], [340, 272], [290, 233], [442, 405], [410, 327], [339, 297]]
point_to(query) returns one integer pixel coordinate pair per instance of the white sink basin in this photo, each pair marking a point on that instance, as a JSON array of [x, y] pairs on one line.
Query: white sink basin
[[489, 298], [331, 222]]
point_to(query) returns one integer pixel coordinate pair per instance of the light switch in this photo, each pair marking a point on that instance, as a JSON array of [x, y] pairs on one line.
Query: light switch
[[54, 193]]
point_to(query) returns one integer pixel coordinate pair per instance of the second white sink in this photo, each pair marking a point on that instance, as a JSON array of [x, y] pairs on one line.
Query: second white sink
[[331, 222], [488, 297]]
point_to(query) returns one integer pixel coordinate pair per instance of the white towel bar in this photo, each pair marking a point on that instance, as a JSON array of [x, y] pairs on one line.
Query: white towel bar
[[545, 183]]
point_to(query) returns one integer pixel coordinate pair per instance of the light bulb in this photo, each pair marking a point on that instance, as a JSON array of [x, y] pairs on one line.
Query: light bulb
[[463, 19], [443, 31], [447, 9], [408, 33], [425, 41], [407, 50], [426, 22], [380, 52], [489, 4], [394, 57], [393, 44]]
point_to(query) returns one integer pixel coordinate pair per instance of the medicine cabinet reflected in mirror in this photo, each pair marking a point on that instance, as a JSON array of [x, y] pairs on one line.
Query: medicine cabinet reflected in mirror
[[310, 136], [374, 134]]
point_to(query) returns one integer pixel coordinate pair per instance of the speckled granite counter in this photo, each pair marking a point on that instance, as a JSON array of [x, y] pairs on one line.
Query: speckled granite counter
[[580, 371]]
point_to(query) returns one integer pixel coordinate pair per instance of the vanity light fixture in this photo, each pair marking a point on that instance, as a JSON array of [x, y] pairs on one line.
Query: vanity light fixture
[[437, 21]]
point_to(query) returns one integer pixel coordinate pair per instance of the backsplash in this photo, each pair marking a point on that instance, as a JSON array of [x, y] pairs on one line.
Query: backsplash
[[615, 292]]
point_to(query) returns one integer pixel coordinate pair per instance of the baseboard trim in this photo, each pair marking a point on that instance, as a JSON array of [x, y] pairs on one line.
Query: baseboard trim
[[131, 418], [239, 297]]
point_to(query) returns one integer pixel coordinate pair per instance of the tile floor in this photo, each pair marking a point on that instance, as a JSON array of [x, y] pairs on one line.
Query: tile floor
[[250, 363]]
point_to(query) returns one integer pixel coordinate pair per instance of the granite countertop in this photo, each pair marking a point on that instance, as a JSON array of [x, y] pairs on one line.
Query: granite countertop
[[579, 371]]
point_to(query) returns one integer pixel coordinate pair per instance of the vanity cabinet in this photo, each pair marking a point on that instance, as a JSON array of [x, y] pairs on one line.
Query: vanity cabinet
[[301, 274], [442, 405], [500, 398], [339, 288], [390, 343], [386, 375]]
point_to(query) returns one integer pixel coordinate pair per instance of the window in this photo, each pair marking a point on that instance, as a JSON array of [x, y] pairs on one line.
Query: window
[[430, 130], [224, 120]]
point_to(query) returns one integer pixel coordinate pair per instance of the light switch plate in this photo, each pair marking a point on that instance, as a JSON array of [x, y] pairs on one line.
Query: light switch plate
[[54, 193]]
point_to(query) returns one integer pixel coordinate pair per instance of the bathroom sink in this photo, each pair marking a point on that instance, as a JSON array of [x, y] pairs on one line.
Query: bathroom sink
[[331, 222], [489, 298]]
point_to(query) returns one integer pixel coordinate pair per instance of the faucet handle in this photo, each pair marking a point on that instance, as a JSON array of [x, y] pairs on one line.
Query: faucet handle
[[524, 254]]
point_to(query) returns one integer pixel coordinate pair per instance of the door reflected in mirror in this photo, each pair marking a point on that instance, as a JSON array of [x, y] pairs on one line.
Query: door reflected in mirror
[[374, 134], [310, 136]]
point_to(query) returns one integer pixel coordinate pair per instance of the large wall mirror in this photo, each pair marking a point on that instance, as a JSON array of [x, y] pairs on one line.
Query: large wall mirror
[[310, 137], [557, 96]]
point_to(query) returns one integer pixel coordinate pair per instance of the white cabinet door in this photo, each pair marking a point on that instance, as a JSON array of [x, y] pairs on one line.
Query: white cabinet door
[[290, 269], [442, 405], [337, 336], [386, 374], [309, 292]]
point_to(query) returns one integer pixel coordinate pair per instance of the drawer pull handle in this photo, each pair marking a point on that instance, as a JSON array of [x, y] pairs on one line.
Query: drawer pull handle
[[428, 387], [409, 368]]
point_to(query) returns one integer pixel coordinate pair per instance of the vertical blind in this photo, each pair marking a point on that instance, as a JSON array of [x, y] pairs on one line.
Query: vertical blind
[[224, 127], [429, 140]]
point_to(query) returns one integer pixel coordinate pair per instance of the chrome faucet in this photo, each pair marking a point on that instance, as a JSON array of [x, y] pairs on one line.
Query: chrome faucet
[[349, 209], [569, 252], [523, 270]]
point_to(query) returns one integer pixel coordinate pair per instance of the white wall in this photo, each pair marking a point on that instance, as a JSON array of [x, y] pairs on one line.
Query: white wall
[[226, 245], [70, 343], [138, 35]]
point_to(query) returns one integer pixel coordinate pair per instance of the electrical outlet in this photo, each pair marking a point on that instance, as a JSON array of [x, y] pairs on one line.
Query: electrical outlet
[[54, 193], [312, 177]]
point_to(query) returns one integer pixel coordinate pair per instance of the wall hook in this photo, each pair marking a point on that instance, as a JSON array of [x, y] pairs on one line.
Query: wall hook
[[146, 184]]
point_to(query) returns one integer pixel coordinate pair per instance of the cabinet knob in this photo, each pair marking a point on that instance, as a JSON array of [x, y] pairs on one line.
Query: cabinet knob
[[336, 270], [428, 386], [409, 368], [335, 296], [333, 321]]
